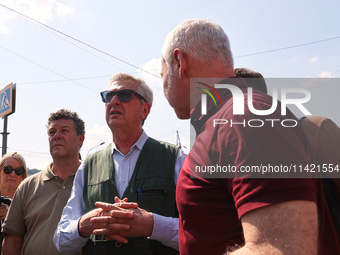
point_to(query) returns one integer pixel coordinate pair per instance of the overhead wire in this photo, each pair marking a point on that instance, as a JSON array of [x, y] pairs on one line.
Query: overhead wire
[[336, 71], [18, 55], [289, 47], [68, 41], [125, 62], [35, 154], [77, 40], [73, 79]]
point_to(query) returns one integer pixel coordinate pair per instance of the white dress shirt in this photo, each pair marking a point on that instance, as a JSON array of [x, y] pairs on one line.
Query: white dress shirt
[[67, 238]]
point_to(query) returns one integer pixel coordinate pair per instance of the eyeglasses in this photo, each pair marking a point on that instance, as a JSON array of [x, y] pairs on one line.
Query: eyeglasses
[[124, 95], [18, 170]]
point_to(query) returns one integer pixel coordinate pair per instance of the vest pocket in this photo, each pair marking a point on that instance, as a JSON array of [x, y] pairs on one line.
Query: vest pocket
[[151, 192], [155, 194], [153, 186]]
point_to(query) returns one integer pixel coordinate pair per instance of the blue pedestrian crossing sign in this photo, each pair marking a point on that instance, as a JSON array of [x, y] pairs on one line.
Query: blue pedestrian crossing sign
[[7, 100]]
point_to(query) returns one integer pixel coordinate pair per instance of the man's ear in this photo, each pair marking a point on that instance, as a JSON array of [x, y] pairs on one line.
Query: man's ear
[[81, 139], [180, 63], [146, 110]]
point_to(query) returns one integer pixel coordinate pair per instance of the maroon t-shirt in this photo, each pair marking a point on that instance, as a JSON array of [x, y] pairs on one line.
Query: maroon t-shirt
[[210, 208]]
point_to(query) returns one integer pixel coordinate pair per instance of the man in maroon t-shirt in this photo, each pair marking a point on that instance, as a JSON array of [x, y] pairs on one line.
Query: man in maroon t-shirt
[[235, 213]]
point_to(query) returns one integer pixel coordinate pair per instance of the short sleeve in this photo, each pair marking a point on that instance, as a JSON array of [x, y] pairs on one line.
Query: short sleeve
[[251, 194]]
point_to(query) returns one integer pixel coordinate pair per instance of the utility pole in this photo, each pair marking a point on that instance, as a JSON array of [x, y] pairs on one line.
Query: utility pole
[[178, 140], [4, 137]]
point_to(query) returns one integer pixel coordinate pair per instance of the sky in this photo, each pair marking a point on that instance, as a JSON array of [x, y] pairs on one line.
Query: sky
[[61, 54]]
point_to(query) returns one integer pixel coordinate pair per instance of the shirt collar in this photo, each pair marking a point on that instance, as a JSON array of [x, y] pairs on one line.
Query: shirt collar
[[139, 144], [47, 174]]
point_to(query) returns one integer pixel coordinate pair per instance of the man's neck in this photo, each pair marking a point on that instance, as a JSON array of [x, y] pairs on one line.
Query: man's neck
[[65, 167], [124, 142]]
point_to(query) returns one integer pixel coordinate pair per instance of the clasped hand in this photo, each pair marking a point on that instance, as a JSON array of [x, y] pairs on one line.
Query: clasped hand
[[117, 221]]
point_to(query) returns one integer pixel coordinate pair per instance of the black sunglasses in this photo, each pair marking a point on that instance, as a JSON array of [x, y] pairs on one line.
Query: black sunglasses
[[124, 95], [18, 170]]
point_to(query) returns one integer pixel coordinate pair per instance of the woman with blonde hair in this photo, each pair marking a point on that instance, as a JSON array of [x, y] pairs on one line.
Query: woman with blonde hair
[[12, 171]]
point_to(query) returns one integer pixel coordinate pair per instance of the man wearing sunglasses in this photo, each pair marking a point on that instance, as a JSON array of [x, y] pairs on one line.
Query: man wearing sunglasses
[[135, 168], [39, 200]]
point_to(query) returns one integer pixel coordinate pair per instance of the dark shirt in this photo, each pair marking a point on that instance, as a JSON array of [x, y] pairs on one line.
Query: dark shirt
[[211, 208]]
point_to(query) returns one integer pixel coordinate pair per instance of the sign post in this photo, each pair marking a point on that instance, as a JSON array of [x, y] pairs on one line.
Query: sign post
[[7, 107]]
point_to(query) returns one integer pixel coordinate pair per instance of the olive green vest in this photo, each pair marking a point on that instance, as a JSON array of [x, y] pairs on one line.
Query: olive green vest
[[151, 185]]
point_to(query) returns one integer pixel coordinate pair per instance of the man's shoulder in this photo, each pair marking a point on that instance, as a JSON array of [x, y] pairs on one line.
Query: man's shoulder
[[29, 185], [316, 121], [314, 126], [259, 98], [104, 152], [161, 145], [28, 182], [32, 179]]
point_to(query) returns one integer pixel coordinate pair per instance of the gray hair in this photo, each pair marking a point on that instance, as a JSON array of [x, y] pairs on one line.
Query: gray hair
[[201, 39], [142, 88], [18, 157]]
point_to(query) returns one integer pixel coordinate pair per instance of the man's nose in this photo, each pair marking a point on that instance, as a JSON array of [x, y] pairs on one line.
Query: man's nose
[[115, 100], [57, 135]]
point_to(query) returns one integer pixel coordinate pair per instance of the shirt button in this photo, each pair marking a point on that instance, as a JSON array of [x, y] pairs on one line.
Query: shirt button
[[123, 180], [125, 158], [64, 187]]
